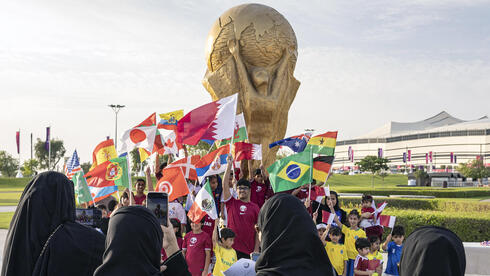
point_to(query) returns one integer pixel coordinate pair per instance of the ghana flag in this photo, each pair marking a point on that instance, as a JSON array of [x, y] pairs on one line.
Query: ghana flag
[[291, 172], [321, 167], [323, 143]]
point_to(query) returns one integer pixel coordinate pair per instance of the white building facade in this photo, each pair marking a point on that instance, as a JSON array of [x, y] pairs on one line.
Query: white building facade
[[441, 140]]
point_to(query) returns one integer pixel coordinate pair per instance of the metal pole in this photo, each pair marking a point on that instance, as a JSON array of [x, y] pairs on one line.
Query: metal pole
[[116, 108], [31, 145], [49, 149]]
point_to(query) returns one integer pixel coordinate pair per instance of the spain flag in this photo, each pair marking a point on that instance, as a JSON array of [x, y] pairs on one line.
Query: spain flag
[[103, 152]]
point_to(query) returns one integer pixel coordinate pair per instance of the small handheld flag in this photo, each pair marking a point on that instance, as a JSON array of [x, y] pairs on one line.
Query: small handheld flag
[[387, 221], [72, 165], [327, 217], [203, 204]]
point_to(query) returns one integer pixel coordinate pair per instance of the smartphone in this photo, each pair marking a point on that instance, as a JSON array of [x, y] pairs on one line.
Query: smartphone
[[90, 217], [254, 256], [157, 202]]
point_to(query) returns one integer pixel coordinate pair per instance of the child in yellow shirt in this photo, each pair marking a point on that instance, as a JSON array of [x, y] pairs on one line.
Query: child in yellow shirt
[[374, 254], [351, 233], [222, 247], [336, 251]]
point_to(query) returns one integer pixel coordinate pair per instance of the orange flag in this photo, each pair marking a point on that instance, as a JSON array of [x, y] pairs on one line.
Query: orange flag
[[173, 183]]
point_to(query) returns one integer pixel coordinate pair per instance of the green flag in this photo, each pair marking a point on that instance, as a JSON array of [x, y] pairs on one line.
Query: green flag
[[81, 189], [291, 172], [122, 178], [240, 131]]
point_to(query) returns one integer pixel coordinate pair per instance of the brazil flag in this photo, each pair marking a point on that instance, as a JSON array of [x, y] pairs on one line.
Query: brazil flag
[[291, 172]]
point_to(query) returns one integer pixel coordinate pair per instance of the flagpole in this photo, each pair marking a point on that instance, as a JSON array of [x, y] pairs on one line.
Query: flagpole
[[311, 172], [49, 149]]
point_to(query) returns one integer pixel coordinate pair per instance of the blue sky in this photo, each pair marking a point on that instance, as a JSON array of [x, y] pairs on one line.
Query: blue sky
[[361, 64]]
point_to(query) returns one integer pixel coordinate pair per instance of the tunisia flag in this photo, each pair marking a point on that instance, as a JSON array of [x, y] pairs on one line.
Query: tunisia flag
[[173, 183], [247, 151]]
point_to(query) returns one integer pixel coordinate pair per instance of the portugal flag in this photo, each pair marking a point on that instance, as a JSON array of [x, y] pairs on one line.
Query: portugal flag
[[291, 172], [323, 143], [321, 167]]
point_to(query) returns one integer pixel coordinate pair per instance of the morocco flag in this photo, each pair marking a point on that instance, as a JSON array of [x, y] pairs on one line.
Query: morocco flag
[[203, 204], [247, 151], [173, 183]]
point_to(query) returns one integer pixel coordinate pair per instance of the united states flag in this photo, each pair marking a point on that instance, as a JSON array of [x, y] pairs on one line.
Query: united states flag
[[72, 165]]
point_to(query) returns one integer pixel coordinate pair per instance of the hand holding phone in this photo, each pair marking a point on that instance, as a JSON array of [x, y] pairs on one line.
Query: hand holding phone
[[157, 202]]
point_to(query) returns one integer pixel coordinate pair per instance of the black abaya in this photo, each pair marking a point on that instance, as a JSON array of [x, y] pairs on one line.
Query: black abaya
[[47, 209], [434, 251], [289, 240]]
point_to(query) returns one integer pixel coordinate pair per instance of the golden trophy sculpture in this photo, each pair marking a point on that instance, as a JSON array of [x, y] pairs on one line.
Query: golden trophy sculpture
[[251, 49]]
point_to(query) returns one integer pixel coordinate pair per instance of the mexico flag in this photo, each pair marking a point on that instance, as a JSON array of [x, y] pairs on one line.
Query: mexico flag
[[203, 204]]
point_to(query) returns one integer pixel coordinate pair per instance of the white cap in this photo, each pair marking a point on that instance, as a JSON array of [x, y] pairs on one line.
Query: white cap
[[320, 226]]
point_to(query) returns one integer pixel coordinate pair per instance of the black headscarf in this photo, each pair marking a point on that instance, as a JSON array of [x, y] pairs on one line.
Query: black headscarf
[[290, 242], [46, 210], [431, 250], [133, 243]]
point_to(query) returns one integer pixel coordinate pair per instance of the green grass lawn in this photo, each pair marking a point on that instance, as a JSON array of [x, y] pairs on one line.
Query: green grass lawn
[[10, 198], [365, 181], [5, 219]]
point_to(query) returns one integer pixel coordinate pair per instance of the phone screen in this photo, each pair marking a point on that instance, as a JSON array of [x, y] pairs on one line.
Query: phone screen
[[85, 216], [158, 205], [254, 256]]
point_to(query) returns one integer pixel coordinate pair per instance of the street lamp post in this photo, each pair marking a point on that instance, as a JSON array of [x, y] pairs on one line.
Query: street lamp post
[[116, 108]]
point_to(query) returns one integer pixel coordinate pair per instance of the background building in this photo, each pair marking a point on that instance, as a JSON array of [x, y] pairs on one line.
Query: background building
[[438, 140]]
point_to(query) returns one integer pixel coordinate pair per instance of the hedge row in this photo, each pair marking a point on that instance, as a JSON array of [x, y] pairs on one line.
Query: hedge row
[[424, 204], [437, 192], [469, 227]]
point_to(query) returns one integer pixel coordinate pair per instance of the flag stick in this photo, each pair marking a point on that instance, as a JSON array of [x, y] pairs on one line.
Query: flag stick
[[311, 172], [130, 184]]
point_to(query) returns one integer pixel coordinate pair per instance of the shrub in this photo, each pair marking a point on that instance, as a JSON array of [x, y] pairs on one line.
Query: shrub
[[423, 204]]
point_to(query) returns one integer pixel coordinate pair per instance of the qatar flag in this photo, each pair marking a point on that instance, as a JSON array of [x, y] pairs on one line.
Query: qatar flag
[[387, 221], [327, 217], [247, 151], [212, 121], [321, 192], [138, 137]]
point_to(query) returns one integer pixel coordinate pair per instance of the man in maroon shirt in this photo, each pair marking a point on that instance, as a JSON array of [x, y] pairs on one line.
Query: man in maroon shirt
[[242, 216], [260, 187]]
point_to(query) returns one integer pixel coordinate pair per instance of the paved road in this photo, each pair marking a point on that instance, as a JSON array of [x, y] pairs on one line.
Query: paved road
[[9, 208]]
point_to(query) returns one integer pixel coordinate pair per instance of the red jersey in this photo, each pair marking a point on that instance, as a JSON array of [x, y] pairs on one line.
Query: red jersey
[[259, 192], [208, 225], [195, 246], [361, 263], [179, 243], [242, 217], [138, 200], [368, 210]]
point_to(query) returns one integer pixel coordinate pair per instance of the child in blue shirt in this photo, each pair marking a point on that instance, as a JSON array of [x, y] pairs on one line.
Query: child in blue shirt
[[394, 249]]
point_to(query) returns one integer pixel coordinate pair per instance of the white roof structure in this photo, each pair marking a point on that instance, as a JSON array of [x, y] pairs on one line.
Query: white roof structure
[[438, 123]]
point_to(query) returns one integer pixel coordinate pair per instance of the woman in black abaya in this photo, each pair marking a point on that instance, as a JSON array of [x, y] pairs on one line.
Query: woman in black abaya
[[44, 239], [134, 244], [289, 240], [434, 251]]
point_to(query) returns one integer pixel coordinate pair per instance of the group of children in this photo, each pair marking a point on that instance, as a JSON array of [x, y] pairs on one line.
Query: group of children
[[360, 254]]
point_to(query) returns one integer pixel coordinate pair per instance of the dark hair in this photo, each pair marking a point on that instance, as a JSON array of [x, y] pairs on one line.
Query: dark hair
[[258, 171], [355, 213], [398, 230], [214, 176], [112, 205], [335, 231], [243, 182], [175, 223], [373, 239], [163, 165], [367, 198], [101, 207], [125, 195], [336, 206], [362, 243], [226, 233], [141, 180]]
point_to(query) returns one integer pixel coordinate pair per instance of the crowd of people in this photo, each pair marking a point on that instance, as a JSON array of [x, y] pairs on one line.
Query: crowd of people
[[285, 234]]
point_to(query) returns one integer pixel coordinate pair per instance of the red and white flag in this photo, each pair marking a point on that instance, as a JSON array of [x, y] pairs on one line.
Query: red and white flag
[[138, 137], [247, 151], [327, 217], [170, 146], [321, 192], [388, 221], [187, 164], [212, 121], [173, 183], [378, 210]]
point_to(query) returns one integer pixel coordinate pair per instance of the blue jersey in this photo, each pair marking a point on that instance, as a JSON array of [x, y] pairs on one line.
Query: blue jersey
[[394, 254]]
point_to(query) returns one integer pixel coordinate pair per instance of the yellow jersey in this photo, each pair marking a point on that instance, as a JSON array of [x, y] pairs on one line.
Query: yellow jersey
[[375, 256], [350, 240], [337, 255], [224, 259]]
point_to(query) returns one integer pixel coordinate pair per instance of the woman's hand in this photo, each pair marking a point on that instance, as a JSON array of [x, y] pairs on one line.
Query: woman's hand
[[169, 239]]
